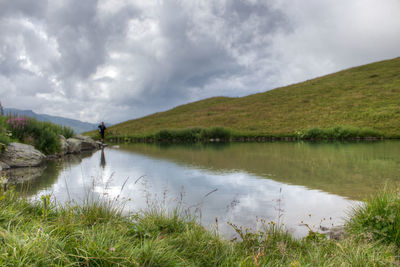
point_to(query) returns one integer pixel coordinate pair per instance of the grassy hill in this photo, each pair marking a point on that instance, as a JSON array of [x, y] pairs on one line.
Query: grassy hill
[[365, 96]]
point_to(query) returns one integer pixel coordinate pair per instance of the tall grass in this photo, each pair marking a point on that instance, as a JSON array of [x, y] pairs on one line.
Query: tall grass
[[337, 133], [194, 134], [97, 233], [42, 135], [378, 218], [4, 134], [189, 135]]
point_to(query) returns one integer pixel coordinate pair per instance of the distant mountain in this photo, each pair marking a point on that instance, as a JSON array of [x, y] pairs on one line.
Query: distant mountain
[[77, 126]]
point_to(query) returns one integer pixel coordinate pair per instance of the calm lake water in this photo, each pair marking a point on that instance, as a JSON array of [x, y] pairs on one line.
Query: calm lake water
[[241, 183]]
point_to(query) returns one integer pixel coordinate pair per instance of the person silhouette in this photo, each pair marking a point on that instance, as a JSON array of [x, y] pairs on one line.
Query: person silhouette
[[102, 129]]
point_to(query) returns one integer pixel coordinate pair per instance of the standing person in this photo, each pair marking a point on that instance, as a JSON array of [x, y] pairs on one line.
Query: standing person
[[102, 129]]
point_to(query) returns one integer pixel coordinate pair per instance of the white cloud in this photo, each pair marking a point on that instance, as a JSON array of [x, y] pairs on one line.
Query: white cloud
[[117, 60]]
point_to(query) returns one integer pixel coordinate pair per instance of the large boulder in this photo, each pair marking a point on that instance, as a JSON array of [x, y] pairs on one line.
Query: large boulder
[[3, 166], [74, 145], [64, 145], [80, 143], [87, 143], [21, 155]]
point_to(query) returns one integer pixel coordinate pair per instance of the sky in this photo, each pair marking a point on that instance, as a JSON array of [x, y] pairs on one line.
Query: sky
[[115, 60]]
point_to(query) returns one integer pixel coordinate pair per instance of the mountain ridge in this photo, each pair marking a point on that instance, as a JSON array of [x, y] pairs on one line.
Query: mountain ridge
[[77, 125]]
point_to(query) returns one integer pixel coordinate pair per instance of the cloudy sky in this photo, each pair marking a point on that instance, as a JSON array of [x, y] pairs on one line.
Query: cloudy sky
[[115, 60]]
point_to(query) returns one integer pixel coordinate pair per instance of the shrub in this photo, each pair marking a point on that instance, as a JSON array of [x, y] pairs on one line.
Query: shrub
[[4, 134], [215, 132], [43, 135], [337, 132], [163, 135], [378, 217], [193, 134]]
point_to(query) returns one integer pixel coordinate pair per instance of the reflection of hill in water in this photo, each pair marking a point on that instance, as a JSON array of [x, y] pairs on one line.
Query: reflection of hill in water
[[32, 180], [353, 170]]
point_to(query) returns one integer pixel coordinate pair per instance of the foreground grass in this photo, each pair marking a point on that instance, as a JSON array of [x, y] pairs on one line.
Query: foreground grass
[[97, 234], [379, 218], [365, 96]]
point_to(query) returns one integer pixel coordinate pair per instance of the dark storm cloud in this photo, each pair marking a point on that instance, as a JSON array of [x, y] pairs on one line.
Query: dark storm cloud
[[25, 8], [198, 49], [114, 60]]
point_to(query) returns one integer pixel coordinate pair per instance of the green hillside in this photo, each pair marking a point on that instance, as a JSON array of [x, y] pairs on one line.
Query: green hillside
[[365, 96]]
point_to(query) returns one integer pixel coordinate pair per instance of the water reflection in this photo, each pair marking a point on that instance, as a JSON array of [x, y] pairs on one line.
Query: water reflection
[[353, 170], [32, 181], [102, 159], [241, 197], [20, 175]]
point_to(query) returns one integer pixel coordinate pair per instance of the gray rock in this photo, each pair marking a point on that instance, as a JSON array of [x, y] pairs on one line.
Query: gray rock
[[74, 145], [21, 155], [3, 166], [87, 143], [64, 145], [335, 232], [19, 175]]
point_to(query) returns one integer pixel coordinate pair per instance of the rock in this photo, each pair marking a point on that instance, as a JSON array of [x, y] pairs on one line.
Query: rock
[[335, 232], [87, 143], [21, 155], [74, 145], [64, 145], [101, 145], [3, 166], [81, 143], [19, 175]]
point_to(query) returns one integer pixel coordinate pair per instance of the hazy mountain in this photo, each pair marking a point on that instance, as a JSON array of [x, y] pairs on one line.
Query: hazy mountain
[[76, 125]]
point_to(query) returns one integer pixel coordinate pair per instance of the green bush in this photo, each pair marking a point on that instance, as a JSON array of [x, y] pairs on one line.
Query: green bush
[[163, 135], [378, 218], [337, 133], [216, 132], [4, 134], [43, 135], [193, 134]]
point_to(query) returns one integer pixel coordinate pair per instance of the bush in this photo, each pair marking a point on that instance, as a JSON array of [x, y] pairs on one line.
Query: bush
[[216, 132], [337, 132], [4, 134], [43, 135], [163, 135], [378, 218], [193, 134]]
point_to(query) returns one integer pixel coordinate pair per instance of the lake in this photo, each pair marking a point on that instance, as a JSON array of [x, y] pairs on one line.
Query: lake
[[241, 183]]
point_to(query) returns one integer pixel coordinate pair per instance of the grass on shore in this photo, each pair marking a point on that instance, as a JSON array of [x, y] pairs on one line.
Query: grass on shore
[[98, 234], [379, 218], [192, 135], [362, 97]]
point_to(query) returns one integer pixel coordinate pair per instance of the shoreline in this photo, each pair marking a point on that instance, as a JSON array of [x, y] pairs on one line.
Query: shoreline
[[152, 140]]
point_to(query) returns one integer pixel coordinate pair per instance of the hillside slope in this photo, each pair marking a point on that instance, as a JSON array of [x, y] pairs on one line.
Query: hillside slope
[[365, 96]]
